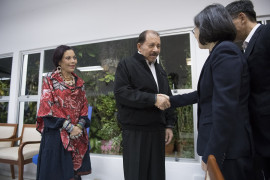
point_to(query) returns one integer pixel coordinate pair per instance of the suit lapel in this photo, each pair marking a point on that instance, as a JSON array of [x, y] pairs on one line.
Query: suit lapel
[[252, 41]]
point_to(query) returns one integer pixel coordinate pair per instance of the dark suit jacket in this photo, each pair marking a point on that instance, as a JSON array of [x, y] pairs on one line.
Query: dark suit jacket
[[222, 96], [258, 57], [135, 90]]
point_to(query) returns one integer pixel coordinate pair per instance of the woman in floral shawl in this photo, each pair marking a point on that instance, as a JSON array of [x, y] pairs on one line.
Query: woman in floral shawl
[[62, 120]]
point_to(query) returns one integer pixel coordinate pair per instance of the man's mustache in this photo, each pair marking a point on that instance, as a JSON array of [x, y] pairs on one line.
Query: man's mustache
[[154, 54]]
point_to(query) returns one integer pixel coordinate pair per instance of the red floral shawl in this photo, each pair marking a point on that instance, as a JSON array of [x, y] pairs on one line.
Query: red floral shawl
[[60, 100]]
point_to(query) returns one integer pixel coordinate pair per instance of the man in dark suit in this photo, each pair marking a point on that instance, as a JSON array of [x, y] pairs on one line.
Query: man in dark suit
[[256, 45], [146, 126]]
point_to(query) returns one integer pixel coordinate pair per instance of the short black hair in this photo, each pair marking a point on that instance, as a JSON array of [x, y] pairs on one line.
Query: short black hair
[[58, 54], [215, 24], [244, 6], [142, 36]]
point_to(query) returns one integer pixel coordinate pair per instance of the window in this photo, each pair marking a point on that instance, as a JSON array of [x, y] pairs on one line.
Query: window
[[29, 88], [176, 60], [28, 111], [30, 74], [97, 63], [5, 76], [264, 19]]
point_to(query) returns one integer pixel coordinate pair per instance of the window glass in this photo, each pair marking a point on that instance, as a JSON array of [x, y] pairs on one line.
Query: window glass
[[3, 112], [97, 64], [182, 145], [28, 111], [31, 63], [267, 21], [5, 75], [175, 58]]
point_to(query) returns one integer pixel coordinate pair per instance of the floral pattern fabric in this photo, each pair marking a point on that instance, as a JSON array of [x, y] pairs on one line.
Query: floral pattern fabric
[[60, 100]]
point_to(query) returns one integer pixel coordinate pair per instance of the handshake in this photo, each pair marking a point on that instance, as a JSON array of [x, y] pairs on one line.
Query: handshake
[[162, 101]]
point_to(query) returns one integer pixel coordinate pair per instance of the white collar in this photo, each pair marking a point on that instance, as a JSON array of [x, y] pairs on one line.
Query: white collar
[[251, 33]]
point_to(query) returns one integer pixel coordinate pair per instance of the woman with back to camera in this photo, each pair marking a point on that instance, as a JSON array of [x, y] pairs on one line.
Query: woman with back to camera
[[222, 96], [62, 120]]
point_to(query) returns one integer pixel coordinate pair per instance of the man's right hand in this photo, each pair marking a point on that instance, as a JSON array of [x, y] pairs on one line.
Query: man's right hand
[[162, 102]]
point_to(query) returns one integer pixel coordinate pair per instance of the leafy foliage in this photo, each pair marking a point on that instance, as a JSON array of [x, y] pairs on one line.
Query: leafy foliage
[[105, 130], [4, 87], [3, 112]]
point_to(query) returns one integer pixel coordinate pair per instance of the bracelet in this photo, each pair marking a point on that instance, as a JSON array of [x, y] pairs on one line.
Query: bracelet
[[70, 128], [79, 126], [65, 124], [82, 122]]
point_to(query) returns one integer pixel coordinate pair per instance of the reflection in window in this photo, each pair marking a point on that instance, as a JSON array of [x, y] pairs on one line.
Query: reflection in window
[[5, 75], [175, 58], [30, 74], [182, 145], [28, 110], [97, 64], [3, 112]]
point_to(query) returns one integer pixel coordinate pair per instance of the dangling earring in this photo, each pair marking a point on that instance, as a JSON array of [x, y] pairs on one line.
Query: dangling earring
[[58, 69]]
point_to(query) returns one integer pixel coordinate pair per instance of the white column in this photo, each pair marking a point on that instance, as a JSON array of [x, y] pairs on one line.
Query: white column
[[14, 88]]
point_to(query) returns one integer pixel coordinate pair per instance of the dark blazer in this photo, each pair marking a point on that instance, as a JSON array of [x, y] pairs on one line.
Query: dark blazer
[[222, 97], [258, 58], [135, 90]]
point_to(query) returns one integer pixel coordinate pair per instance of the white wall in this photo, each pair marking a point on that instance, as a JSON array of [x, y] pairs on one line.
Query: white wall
[[30, 24]]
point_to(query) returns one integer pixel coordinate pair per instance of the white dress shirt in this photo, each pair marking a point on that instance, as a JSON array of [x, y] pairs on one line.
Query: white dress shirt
[[245, 43], [153, 70]]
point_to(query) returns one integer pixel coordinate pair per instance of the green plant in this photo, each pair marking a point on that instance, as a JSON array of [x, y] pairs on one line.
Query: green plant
[[4, 87], [106, 109], [183, 132], [30, 111], [108, 78], [105, 130], [3, 112]]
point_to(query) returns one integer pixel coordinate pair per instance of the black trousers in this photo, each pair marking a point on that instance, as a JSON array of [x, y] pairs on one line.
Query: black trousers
[[144, 154], [262, 167], [238, 169], [266, 167]]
